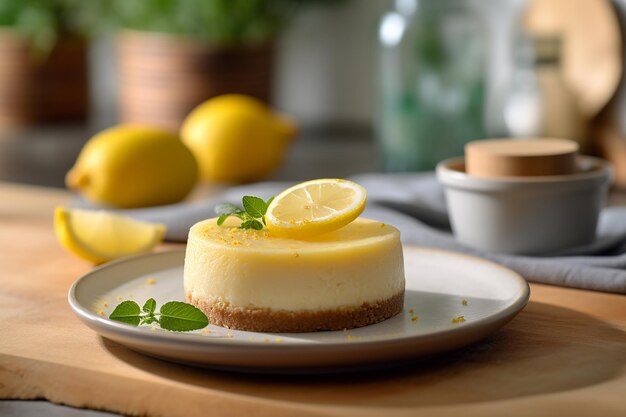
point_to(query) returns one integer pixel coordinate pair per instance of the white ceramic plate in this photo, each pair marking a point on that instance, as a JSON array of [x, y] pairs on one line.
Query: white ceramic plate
[[437, 282]]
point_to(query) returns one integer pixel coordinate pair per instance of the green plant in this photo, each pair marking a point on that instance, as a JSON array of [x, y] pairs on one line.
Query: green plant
[[222, 22], [43, 21]]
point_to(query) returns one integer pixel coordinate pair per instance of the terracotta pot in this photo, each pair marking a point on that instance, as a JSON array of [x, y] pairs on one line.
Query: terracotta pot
[[163, 77], [50, 89]]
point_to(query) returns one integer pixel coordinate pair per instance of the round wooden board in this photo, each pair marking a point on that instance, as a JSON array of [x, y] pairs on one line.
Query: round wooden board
[[592, 45]]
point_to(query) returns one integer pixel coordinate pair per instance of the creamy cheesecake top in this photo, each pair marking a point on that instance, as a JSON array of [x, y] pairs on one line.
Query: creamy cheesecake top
[[359, 232]]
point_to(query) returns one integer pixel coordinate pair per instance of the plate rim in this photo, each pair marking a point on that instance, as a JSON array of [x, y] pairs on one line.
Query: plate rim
[[96, 322]]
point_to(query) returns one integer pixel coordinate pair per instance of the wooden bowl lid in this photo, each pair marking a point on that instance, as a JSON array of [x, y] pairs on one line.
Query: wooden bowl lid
[[495, 158]]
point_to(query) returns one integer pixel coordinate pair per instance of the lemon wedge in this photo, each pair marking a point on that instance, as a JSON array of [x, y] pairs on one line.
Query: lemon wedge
[[315, 207], [100, 236]]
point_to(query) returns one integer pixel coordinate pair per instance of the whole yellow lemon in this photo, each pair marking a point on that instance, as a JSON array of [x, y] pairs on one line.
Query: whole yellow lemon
[[236, 138], [130, 166]]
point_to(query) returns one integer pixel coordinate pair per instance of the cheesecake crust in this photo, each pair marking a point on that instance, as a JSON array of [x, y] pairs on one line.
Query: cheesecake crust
[[283, 321]]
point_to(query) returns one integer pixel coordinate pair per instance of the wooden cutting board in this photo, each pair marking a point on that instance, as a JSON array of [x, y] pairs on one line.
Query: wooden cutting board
[[564, 354]]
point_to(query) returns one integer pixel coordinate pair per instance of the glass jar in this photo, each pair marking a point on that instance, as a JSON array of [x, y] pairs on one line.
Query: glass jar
[[540, 101], [431, 87]]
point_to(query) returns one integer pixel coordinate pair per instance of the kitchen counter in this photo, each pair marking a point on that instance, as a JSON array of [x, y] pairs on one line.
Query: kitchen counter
[[565, 354], [42, 156]]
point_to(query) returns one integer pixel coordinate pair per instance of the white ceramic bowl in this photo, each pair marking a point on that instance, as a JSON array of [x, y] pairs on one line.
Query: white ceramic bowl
[[525, 215]]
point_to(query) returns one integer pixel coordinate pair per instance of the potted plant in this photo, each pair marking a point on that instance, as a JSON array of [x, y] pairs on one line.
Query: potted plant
[[174, 54], [43, 70]]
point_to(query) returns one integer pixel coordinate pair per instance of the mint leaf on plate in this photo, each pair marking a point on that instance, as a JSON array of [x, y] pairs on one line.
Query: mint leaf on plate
[[149, 320], [149, 306], [175, 315], [181, 317], [127, 312]]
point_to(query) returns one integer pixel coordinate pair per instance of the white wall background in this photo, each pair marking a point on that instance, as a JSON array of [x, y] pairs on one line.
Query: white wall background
[[326, 67]]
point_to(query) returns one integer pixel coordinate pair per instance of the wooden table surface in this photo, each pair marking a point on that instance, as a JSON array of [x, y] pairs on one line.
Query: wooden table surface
[[565, 354]]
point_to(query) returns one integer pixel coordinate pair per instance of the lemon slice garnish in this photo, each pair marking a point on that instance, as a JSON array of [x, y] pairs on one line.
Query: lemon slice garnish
[[315, 207], [100, 236]]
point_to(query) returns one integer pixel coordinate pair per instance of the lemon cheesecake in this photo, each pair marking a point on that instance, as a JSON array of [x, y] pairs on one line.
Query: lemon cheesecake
[[258, 281]]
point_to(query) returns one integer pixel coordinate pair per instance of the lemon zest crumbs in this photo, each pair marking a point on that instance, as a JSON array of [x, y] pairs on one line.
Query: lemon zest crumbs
[[296, 255], [207, 331], [411, 311], [279, 339], [119, 298], [266, 340], [230, 335], [101, 312], [464, 302], [153, 328], [350, 337], [105, 304], [150, 281], [382, 225], [459, 319], [415, 318]]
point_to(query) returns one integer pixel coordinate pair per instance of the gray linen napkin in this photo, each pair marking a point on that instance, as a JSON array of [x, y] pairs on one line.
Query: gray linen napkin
[[415, 204]]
